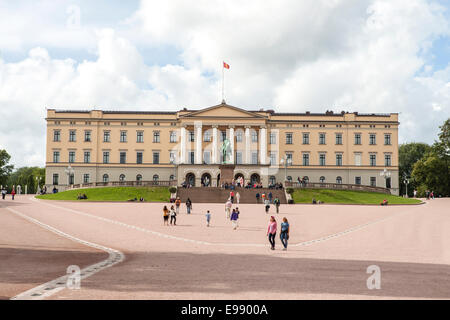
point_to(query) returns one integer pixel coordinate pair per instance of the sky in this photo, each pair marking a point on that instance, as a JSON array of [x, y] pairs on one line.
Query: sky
[[288, 55]]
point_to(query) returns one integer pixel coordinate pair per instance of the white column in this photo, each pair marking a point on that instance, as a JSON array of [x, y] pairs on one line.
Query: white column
[[198, 144], [183, 145], [214, 146], [247, 145], [232, 143], [262, 145]]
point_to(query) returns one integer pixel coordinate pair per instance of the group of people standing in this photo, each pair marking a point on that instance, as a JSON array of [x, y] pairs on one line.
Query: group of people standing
[[5, 192]]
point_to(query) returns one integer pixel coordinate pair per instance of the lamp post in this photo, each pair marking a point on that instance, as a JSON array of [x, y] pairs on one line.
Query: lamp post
[[69, 171], [285, 161], [385, 174], [406, 181]]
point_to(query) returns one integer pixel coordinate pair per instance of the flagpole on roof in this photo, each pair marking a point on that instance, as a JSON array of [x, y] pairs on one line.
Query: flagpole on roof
[[223, 83]]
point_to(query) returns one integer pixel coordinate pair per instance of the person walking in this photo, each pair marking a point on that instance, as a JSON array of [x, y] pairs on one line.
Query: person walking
[[13, 193], [272, 232], [173, 216], [228, 206], [166, 213], [208, 218], [267, 205], [177, 205], [277, 203], [188, 206], [234, 219], [284, 234], [232, 196], [238, 197], [3, 193], [257, 197], [270, 196]]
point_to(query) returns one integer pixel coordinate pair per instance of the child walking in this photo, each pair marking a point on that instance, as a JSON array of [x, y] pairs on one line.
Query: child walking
[[208, 218]]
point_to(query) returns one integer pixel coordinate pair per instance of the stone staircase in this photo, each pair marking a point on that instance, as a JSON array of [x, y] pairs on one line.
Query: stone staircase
[[220, 195]]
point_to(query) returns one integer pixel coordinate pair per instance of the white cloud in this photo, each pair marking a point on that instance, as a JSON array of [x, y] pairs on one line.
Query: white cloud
[[358, 55]]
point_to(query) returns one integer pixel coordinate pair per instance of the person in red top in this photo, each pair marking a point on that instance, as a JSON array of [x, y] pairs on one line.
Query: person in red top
[[232, 196], [13, 193], [272, 231]]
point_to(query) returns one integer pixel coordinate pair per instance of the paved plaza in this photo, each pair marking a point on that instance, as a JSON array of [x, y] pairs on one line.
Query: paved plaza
[[330, 249]]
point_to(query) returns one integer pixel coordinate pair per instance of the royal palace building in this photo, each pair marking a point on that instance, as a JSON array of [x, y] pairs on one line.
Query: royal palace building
[[195, 146]]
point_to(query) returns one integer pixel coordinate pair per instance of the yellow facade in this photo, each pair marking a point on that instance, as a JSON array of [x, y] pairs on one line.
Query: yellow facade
[[258, 142]]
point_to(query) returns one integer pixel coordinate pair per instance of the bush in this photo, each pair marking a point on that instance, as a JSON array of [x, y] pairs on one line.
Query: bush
[[172, 189], [289, 190]]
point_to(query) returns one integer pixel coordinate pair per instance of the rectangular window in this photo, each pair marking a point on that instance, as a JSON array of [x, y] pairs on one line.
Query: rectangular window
[[272, 138], [373, 181], [238, 136], [207, 157], [56, 135], [156, 137], [373, 160], [191, 136], [172, 157], [173, 136], [357, 180], [357, 159], [387, 160], [123, 136], [339, 159], [207, 136], [338, 138], [123, 157], [71, 156], [254, 136], [191, 157], [87, 157], [72, 136], [139, 157], [322, 159], [288, 138], [86, 178], [254, 157], [139, 136], [357, 138], [273, 158], [321, 138], [105, 156], [306, 138], [155, 157], [372, 139], [106, 136], [306, 159], [55, 179], [87, 136], [387, 139], [289, 158], [55, 156], [223, 136], [239, 157]]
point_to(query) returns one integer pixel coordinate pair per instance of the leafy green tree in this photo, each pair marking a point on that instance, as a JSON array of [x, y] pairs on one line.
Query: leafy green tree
[[432, 172], [408, 155], [26, 176], [5, 168]]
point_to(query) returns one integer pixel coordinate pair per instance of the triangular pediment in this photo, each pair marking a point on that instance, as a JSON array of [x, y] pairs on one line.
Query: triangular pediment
[[222, 110]]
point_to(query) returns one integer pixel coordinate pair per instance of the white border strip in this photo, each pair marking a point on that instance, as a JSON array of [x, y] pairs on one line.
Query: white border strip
[[50, 288]]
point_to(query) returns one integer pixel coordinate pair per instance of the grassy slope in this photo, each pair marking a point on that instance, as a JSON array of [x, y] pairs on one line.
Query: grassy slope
[[346, 196], [155, 194]]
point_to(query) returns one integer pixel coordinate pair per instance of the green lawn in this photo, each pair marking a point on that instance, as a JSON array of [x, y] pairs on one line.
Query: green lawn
[[347, 197], [153, 194]]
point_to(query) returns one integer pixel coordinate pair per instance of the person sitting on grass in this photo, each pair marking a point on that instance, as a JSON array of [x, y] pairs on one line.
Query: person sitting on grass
[[384, 203], [314, 201]]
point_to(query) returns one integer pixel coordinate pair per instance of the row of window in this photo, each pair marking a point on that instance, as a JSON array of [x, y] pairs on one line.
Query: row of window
[[105, 178], [239, 136], [358, 180], [238, 158]]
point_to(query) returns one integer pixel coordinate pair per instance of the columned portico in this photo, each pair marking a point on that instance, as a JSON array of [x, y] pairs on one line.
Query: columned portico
[[262, 145], [247, 145], [232, 144], [183, 145], [214, 146]]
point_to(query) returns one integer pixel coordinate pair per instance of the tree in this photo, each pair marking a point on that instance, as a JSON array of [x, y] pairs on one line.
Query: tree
[[432, 172], [408, 155], [5, 168], [26, 176]]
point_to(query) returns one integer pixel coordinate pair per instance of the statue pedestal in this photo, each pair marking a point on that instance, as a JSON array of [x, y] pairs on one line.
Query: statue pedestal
[[226, 173]]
